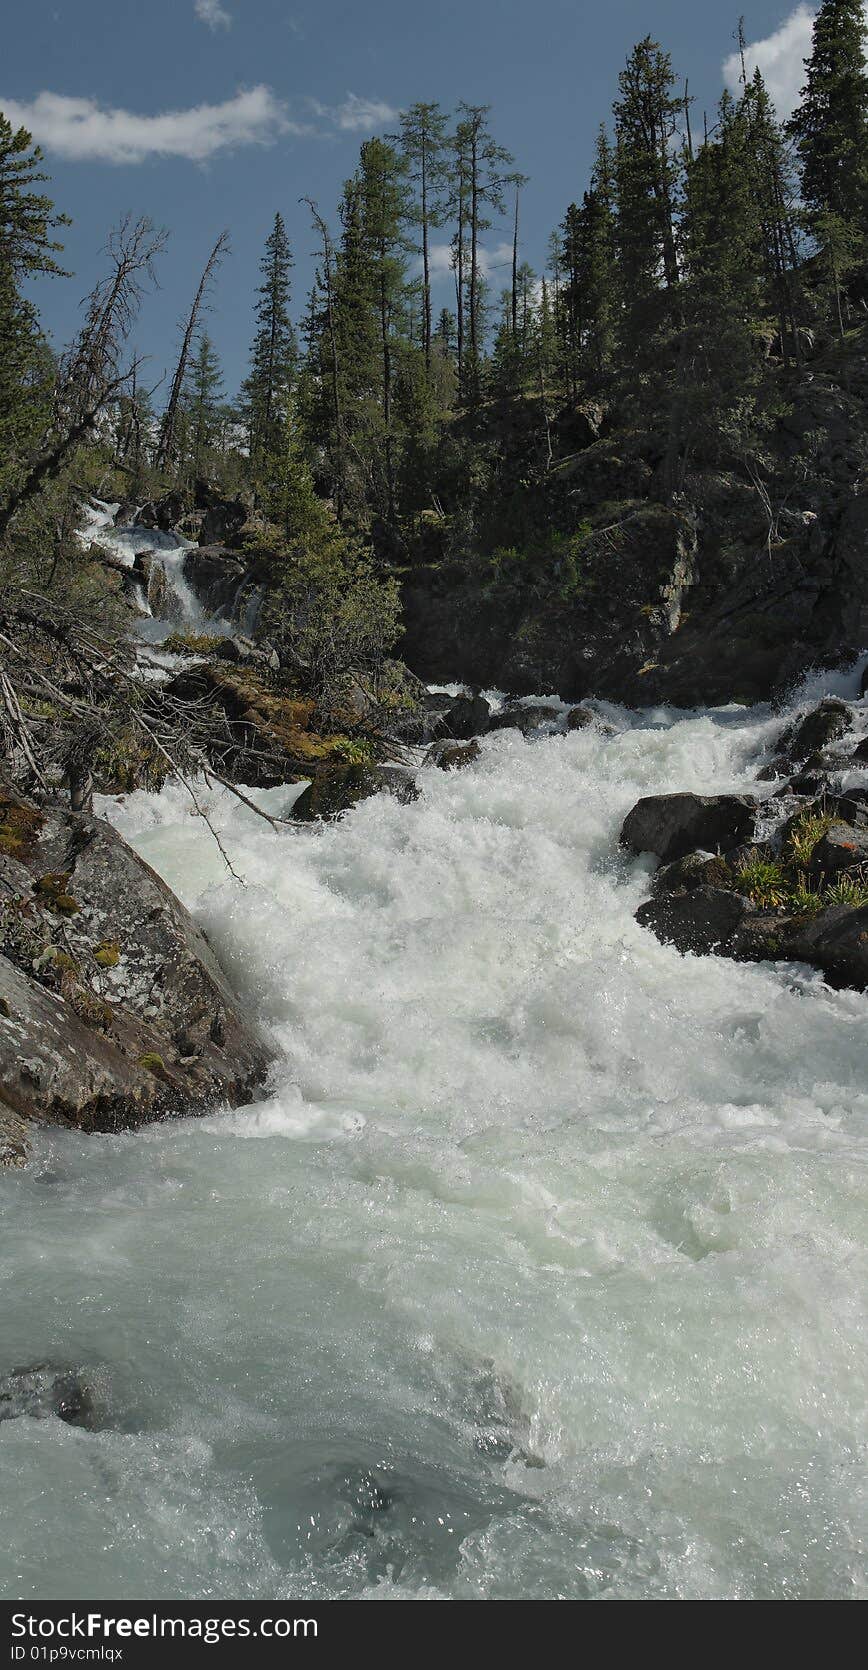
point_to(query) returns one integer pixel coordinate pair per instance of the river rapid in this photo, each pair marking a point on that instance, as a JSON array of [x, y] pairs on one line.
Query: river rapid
[[540, 1269]]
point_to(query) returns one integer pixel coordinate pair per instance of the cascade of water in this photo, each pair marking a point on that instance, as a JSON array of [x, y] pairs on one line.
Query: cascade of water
[[540, 1270]]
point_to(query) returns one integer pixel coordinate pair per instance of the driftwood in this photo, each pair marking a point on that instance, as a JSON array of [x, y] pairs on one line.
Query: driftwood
[[67, 688]]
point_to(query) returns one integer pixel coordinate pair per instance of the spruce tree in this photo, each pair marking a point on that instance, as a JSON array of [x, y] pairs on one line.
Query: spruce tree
[[422, 141], [830, 126], [775, 192], [27, 247], [202, 404], [648, 180], [273, 356], [720, 359]]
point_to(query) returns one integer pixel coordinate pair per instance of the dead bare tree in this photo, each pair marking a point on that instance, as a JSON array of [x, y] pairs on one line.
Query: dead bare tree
[[92, 374], [166, 442]]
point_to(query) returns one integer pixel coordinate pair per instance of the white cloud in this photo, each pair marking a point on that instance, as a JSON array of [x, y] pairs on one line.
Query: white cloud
[[212, 13], [491, 261], [355, 115], [780, 57], [84, 131]]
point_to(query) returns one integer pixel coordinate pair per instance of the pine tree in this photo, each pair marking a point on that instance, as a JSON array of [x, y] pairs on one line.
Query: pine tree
[[771, 176], [830, 130], [711, 412], [273, 356], [648, 181], [422, 140], [830, 126], [202, 403], [27, 247], [587, 269], [479, 174]]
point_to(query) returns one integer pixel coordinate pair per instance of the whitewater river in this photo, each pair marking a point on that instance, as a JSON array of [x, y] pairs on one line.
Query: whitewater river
[[539, 1271]]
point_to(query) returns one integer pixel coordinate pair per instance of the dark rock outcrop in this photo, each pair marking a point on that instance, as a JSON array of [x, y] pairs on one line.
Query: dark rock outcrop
[[703, 920], [164, 513], [467, 717], [334, 790], [453, 756], [113, 1008], [223, 520], [826, 724], [524, 717], [837, 943], [216, 576], [672, 825]]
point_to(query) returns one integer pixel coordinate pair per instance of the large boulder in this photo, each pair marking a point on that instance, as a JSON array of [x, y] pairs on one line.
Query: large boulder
[[164, 513], [837, 943], [222, 521], [525, 717], [113, 1008], [467, 717], [216, 576], [703, 920], [672, 825], [824, 725]]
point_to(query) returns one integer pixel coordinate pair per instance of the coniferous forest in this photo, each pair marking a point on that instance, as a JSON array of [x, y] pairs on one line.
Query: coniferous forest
[[528, 457]]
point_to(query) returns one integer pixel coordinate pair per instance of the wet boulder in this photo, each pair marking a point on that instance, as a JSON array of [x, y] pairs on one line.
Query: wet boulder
[[399, 781], [335, 789], [826, 724], [703, 920], [696, 869], [44, 1391], [452, 756], [113, 1008], [837, 943], [525, 717], [842, 847], [672, 825], [467, 717]]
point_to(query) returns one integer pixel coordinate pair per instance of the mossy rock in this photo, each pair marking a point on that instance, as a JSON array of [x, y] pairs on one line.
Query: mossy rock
[[53, 890], [107, 954], [334, 789], [192, 643], [19, 827]]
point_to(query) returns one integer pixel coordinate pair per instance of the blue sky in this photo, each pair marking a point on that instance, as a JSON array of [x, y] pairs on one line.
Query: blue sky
[[212, 113]]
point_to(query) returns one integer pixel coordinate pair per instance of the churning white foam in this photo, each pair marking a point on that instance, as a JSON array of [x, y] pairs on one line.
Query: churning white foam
[[540, 1270]]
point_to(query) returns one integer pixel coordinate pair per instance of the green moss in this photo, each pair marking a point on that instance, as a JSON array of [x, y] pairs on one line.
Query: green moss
[[53, 890], [19, 827], [192, 643], [107, 954], [153, 1063], [353, 752]]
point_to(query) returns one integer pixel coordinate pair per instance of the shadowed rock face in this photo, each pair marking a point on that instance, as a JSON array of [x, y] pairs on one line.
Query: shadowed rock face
[[113, 1008], [672, 825]]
